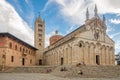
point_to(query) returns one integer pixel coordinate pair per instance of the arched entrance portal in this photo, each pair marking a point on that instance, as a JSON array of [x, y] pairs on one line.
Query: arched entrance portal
[[97, 59], [40, 62], [62, 61]]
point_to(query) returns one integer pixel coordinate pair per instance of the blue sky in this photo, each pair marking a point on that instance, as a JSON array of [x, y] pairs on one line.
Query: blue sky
[[62, 15]]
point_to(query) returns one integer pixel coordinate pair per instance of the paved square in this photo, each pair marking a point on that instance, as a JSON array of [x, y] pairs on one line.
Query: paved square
[[39, 76]]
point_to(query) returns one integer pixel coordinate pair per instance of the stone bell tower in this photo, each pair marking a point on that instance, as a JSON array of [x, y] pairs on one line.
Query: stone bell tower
[[39, 39]]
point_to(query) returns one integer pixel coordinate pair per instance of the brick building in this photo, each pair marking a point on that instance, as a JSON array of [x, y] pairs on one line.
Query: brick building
[[15, 52]]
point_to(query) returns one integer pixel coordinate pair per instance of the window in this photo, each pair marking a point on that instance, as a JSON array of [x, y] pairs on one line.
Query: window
[[40, 35], [80, 45], [40, 30], [3, 56], [10, 45], [40, 39], [39, 25], [40, 44], [29, 51], [26, 50], [31, 61], [12, 58], [23, 49], [15, 47], [20, 49]]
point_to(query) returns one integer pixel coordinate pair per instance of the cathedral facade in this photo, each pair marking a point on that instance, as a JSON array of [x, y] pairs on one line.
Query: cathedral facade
[[89, 44]]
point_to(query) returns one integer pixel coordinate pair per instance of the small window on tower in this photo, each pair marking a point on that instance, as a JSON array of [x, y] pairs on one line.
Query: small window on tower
[[40, 30], [39, 25], [40, 39], [40, 35]]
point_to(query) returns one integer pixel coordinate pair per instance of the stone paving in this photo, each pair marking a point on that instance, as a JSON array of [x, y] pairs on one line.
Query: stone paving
[[40, 76]]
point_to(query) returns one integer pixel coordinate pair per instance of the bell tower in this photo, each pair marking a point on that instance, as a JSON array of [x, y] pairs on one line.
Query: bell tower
[[39, 39]]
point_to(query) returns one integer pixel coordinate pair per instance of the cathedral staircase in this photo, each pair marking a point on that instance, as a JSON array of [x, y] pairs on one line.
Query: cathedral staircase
[[70, 71], [88, 71]]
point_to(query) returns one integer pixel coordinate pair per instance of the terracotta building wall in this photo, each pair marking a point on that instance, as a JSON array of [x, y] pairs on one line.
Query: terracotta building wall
[[2, 47], [14, 55]]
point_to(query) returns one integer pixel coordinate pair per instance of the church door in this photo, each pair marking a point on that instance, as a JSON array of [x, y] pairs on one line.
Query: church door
[[40, 62], [62, 61], [97, 59], [23, 61]]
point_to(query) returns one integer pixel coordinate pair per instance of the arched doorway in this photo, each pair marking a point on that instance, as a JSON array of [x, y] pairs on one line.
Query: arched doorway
[[97, 59], [40, 62], [23, 61], [62, 61]]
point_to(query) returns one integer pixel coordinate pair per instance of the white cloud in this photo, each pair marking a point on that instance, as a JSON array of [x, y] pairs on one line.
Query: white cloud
[[74, 10], [31, 12], [27, 1], [109, 29], [11, 22], [114, 35], [47, 4], [18, 6], [71, 29], [117, 46], [115, 21]]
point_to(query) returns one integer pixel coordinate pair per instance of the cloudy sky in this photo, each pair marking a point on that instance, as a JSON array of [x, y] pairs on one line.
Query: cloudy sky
[[18, 16]]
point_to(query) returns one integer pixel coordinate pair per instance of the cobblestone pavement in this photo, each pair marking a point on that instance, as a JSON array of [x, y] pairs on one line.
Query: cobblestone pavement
[[39, 76]]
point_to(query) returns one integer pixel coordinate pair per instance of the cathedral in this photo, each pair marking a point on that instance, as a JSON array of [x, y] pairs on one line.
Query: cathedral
[[89, 44]]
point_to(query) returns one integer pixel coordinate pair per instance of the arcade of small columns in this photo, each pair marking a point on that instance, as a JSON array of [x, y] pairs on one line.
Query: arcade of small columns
[[81, 52]]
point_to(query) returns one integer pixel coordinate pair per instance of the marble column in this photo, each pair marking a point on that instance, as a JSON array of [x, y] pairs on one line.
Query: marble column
[[91, 54], [107, 56], [86, 54]]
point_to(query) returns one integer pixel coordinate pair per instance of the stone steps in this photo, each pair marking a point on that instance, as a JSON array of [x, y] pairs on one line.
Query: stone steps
[[1, 68], [33, 69], [71, 71], [88, 71]]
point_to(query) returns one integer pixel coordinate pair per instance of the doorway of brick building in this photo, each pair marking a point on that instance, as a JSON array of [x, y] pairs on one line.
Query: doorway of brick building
[[97, 59], [62, 61], [23, 61]]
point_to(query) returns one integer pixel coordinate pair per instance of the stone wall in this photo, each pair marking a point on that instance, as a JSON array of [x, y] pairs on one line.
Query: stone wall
[[81, 51]]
